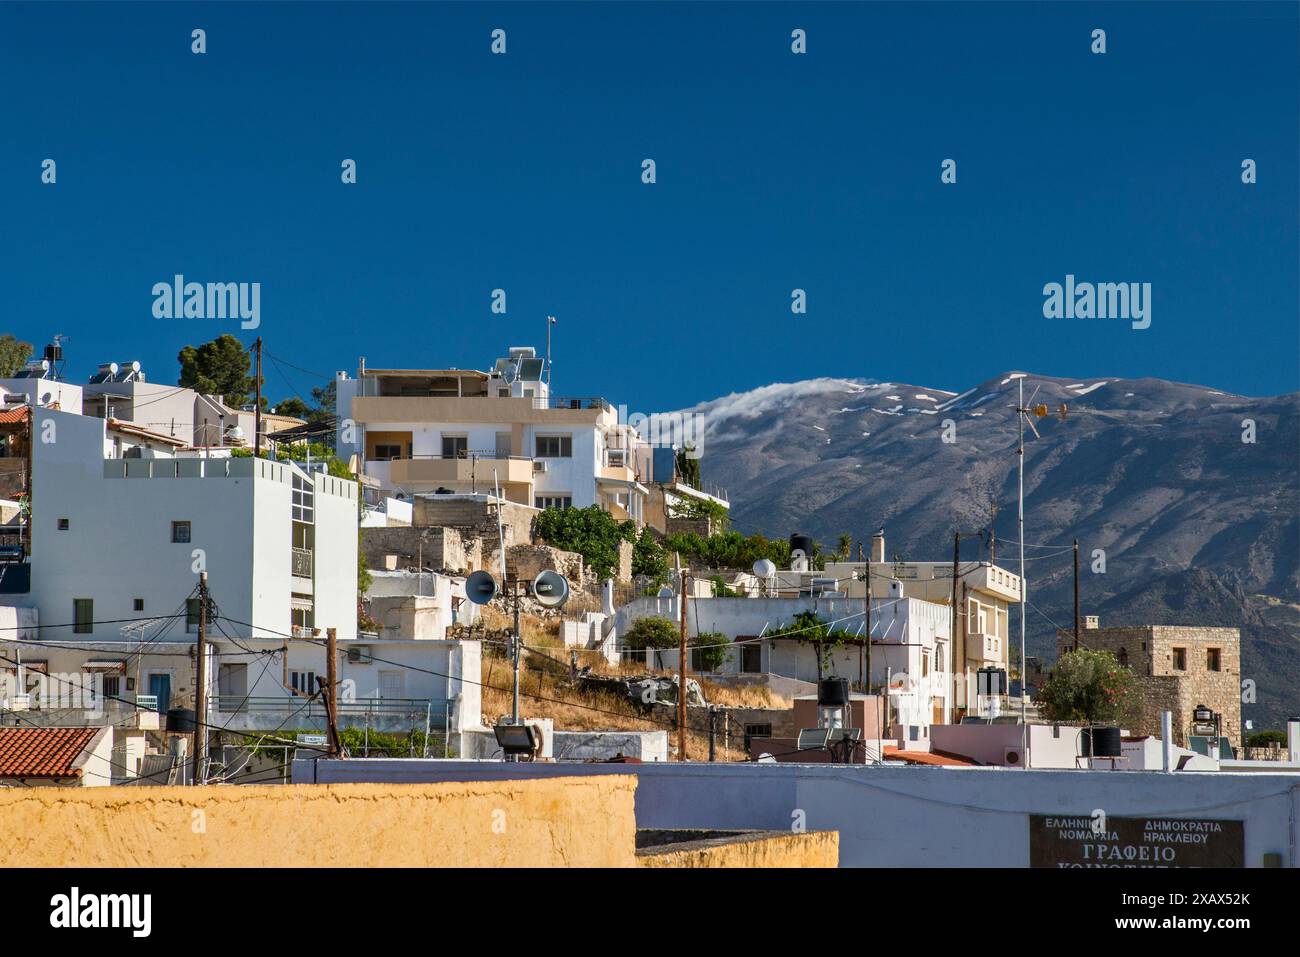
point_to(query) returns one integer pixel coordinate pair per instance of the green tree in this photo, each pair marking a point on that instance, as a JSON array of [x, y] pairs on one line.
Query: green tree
[[807, 626], [591, 532], [652, 631], [1087, 685], [293, 406], [219, 367], [13, 355], [712, 650], [648, 557], [688, 466]]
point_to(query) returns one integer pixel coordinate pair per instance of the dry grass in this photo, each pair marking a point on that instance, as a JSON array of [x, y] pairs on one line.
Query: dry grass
[[546, 692]]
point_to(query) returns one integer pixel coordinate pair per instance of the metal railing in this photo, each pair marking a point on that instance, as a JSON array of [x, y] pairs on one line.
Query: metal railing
[[572, 402], [315, 707], [302, 562]]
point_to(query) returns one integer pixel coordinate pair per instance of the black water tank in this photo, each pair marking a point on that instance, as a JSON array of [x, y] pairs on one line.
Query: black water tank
[[1100, 743], [803, 542], [833, 692], [181, 720]]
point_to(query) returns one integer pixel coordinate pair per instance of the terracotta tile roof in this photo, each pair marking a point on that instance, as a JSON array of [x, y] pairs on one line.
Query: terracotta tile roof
[[15, 416], [43, 752], [929, 758]]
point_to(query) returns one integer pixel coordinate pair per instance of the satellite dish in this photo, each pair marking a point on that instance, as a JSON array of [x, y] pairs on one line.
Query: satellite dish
[[480, 588], [764, 568], [550, 589]]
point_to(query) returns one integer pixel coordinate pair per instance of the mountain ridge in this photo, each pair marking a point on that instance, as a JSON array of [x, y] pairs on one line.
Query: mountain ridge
[[1185, 499]]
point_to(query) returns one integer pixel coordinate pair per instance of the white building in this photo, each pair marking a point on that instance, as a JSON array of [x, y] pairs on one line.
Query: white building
[[910, 652], [421, 431]]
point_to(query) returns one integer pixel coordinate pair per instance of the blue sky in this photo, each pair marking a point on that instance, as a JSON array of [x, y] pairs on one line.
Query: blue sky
[[775, 172]]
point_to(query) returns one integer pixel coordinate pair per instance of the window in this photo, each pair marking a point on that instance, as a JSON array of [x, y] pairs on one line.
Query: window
[[180, 533], [83, 616], [304, 499], [138, 604], [756, 731], [555, 446], [455, 446], [385, 452], [925, 664], [1180, 659], [111, 687], [553, 501], [1213, 659], [303, 682], [63, 524]]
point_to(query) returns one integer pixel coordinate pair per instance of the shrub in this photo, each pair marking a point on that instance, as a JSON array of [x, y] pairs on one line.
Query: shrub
[[713, 650], [652, 631], [1086, 685]]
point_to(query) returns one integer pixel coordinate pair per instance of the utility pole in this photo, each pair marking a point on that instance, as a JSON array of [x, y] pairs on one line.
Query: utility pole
[[956, 553], [864, 677], [713, 730], [201, 687], [257, 409], [1021, 412], [866, 612], [331, 690], [681, 675], [515, 644], [1076, 594]]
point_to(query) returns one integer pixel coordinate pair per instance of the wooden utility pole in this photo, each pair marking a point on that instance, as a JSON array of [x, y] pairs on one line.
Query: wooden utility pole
[[257, 409], [331, 690], [956, 553], [201, 687], [864, 677], [1076, 594], [681, 675]]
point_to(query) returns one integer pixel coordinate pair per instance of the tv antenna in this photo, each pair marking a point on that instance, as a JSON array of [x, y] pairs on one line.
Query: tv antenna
[[1023, 418]]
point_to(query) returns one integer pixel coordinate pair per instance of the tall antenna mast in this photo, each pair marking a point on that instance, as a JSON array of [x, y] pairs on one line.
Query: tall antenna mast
[[550, 321], [1023, 419]]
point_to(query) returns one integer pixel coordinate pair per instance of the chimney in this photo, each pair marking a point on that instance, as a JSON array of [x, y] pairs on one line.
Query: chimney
[[878, 546]]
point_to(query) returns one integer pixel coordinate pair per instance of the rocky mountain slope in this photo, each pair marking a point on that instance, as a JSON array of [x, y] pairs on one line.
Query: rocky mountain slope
[[1196, 525]]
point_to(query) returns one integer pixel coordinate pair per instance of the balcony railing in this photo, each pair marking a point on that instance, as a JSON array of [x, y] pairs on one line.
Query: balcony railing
[[573, 402], [302, 563], [299, 706]]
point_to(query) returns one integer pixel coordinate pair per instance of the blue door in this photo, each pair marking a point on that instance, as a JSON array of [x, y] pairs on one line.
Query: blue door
[[160, 686]]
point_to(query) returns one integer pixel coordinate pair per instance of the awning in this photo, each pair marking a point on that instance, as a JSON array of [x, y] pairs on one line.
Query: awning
[[105, 666]]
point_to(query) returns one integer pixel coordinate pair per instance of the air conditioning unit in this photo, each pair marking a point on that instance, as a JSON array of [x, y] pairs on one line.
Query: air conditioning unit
[[359, 656], [539, 466], [1014, 757]]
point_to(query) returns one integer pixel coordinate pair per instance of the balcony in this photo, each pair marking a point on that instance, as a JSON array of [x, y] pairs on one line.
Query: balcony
[[983, 648], [301, 563], [470, 468], [27, 711], [588, 402], [273, 713]]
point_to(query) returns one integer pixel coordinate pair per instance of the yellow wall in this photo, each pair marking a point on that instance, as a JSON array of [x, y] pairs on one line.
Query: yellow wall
[[579, 822], [814, 849]]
